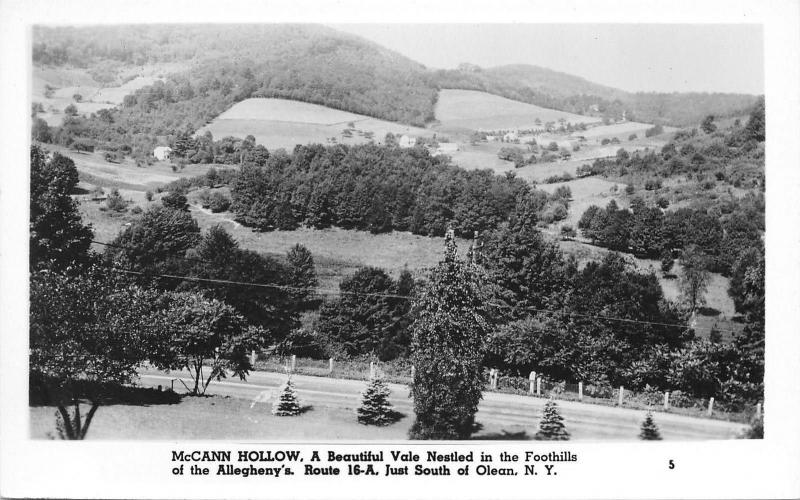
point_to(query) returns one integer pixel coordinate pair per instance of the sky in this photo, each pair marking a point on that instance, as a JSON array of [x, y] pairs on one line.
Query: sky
[[633, 57]]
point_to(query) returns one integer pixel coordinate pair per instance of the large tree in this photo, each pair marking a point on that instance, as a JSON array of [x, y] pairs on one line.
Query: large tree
[[203, 330], [448, 346], [368, 317], [87, 332], [58, 237], [154, 241], [694, 277]]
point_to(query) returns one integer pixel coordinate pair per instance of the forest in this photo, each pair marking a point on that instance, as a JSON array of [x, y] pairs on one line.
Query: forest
[[722, 226]]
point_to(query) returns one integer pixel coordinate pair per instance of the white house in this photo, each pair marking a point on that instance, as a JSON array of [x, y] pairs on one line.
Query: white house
[[162, 153], [407, 141], [511, 137]]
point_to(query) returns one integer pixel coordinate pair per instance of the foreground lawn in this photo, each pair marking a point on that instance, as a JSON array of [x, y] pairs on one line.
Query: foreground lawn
[[221, 417]]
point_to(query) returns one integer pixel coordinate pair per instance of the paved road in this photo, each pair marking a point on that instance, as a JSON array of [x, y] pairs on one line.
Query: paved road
[[499, 413]]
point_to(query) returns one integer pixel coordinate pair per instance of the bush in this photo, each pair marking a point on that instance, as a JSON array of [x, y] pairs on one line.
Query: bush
[[633, 137], [219, 202], [287, 404], [551, 427], [568, 231], [115, 201], [375, 407], [136, 210], [176, 201], [148, 195], [649, 429], [629, 189]]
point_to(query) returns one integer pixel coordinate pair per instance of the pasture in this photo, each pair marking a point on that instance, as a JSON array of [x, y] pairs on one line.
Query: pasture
[[479, 110], [586, 192], [67, 82], [283, 123]]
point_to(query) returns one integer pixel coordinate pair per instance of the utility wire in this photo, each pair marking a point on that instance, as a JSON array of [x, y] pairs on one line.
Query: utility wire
[[403, 297]]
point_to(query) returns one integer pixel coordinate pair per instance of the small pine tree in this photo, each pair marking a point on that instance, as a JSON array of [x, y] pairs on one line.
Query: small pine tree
[[551, 427], [649, 429], [287, 404], [375, 407]]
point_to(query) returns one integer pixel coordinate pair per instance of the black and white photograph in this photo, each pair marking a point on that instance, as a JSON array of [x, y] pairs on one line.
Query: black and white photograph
[[527, 234]]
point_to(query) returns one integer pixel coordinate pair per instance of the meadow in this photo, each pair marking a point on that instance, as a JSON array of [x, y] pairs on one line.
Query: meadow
[[66, 82], [480, 110], [283, 123]]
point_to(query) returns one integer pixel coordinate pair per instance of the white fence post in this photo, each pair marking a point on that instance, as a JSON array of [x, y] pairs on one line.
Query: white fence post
[[538, 386], [371, 369], [758, 410], [621, 395], [710, 406], [666, 400], [294, 362], [253, 358], [580, 391], [413, 372], [330, 366], [532, 379]]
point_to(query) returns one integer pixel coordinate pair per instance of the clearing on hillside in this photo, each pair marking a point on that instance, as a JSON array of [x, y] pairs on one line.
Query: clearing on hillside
[[482, 111], [283, 123]]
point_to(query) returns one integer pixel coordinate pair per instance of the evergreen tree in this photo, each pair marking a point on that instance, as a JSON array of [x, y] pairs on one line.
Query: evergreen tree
[[58, 237], [449, 343], [287, 404], [375, 407], [649, 429], [303, 274], [551, 427]]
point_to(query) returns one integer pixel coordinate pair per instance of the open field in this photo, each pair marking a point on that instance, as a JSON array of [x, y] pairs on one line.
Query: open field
[[283, 123], [94, 169], [95, 95], [586, 191], [479, 110], [241, 410]]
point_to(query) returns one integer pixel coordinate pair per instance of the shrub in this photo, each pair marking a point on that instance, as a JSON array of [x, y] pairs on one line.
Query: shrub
[[662, 202], [287, 404], [649, 430], [136, 210], [175, 201], [551, 427], [633, 137], [219, 202], [375, 407], [568, 231], [629, 189], [148, 195], [115, 201]]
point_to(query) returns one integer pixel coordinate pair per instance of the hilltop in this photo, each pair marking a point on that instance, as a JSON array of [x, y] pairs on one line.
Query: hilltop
[[169, 79]]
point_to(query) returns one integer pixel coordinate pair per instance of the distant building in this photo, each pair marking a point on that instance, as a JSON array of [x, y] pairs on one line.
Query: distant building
[[407, 142], [511, 137], [491, 138], [162, 153]]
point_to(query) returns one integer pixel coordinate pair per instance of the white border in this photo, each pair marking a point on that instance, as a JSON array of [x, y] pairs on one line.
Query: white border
[[734, 469]]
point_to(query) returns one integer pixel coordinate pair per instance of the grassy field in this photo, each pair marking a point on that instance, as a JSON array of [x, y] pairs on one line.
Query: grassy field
[[282, 123], [480, 110], [221, 417], [95, 95], [586, 191]]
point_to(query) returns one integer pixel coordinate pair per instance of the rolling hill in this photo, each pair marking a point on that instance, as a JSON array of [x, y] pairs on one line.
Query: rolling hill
[[217, 66]]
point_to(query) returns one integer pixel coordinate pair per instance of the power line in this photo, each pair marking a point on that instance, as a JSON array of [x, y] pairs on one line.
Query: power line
[[402, 297]]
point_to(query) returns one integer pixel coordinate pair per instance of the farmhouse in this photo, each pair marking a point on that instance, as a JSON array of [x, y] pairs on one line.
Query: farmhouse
[[407, 141], [162, 153]]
